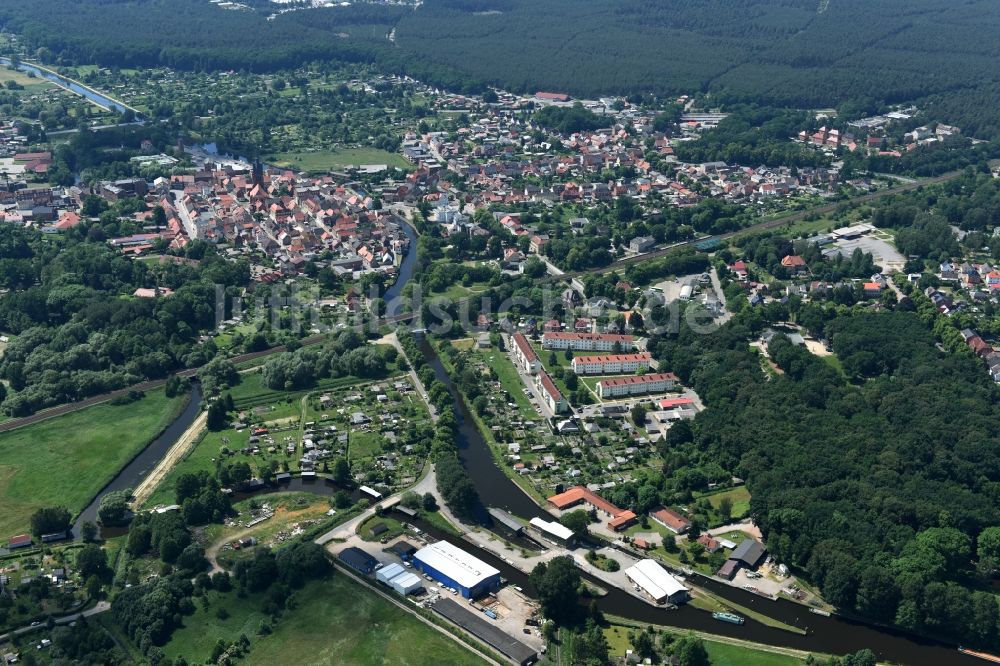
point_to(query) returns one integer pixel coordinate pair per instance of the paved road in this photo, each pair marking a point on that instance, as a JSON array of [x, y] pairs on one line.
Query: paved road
[[100, 607], [726, 314]]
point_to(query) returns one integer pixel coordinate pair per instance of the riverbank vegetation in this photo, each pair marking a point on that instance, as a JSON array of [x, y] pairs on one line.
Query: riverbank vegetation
[[65, 460]]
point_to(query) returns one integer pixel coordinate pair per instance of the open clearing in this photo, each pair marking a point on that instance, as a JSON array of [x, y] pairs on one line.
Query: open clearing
[[66, 460], [32, 82], [334, 621], [322, 161]]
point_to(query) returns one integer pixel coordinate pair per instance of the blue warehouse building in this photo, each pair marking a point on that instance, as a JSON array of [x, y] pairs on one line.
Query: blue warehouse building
[[453, 567]]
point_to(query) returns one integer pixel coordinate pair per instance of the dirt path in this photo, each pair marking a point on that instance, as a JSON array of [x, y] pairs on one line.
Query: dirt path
[[176, 453], [212, 552]]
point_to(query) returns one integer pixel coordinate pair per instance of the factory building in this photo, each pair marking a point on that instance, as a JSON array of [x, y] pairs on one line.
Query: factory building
[[656, 582], [553, 531], [398, 578], [453, 567]]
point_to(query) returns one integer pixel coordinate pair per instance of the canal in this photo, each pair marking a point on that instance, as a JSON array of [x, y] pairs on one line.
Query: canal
[[831, 635], [63, 82], [132, 474]]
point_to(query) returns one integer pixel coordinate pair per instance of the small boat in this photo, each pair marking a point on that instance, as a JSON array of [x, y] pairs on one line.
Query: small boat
[[820, 611], [982, 655], [731, 618]]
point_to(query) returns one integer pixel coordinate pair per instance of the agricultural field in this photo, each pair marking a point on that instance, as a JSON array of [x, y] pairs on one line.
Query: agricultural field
[[66, 460], [335, 621]]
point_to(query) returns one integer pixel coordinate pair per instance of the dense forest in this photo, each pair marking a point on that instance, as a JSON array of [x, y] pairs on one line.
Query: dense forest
[[76, 334], [854, 55], [878, 484]]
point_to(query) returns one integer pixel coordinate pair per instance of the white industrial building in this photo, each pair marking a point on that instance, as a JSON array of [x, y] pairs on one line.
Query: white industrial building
[[553, 531], [388, 572], [407, 583], [656, 582], [398, 578], [452, 566]]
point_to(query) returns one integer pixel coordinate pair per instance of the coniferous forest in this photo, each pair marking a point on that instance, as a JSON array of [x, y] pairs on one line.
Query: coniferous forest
[[853, 55]]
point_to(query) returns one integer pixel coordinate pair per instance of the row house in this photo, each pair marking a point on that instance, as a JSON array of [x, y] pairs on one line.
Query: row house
[[625, 386], [614, 364], [601, 342]]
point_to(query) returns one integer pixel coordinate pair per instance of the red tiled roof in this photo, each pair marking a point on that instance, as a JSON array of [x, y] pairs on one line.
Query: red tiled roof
[[549, 386], [19, 540], [578, 494], [614, 358], [641, 379], [621, 520], [671, 518], [525, 347]]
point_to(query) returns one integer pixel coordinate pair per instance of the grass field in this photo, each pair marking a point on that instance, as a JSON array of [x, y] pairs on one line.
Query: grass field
[[511, 381], [739, 496], [720, 654], [322, 161], [723, 654], [66, 460], [335, 621], [32, 82]]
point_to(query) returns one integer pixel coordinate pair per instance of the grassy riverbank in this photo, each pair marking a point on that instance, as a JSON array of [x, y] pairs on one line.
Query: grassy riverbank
[[722, 651], [66, 460]]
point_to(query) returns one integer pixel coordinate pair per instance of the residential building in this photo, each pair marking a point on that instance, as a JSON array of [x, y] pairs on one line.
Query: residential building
[[672, 520], [623, 386], [525, 355], [641, 244], [602, 342], [615, 364], [553, 397]]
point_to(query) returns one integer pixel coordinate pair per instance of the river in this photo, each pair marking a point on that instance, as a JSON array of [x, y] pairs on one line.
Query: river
[[832, 635], [63, 82], [132, 474]]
